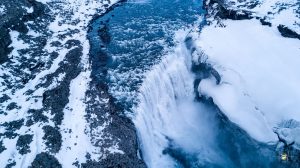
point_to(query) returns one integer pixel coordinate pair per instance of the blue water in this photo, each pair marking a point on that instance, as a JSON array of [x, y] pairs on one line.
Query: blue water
[[140, 33], [130, 54]]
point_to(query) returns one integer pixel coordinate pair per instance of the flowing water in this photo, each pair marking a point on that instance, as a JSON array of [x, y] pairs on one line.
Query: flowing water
[[136, 36], [140, 50], [174, 129]]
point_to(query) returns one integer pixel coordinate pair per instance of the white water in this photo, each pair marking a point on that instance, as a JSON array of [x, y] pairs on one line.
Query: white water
[[167, 110]]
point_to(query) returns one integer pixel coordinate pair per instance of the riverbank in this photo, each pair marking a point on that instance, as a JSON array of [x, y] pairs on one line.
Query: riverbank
[[49, 117]]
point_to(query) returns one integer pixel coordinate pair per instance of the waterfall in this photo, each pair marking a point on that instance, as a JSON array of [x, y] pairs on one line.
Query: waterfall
[[174, 130]]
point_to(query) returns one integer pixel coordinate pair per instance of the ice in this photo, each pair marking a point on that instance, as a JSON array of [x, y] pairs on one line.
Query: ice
[[167, 113], [259, 70], [288, 132]]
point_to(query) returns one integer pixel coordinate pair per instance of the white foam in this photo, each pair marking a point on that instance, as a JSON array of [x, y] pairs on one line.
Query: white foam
[[167, 110]]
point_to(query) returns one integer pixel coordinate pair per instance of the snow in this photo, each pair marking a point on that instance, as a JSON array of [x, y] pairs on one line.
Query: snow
[[289, 130], [16, 43], [29, 10], [75, 110], [259, 70], [75, 144], [277, 12], [2, 10], [167, 113]]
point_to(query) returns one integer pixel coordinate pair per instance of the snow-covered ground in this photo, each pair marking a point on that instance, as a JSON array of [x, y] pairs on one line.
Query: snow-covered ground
[[44, 85], [259, 87], [284, 12], [70, 23]]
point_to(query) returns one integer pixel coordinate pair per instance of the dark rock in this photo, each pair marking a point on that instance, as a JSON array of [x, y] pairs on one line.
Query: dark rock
[[72, 43], [68, 34], [20, 27], [265, 23], [4, 98], [121, 128], [15, 20], [37, 116], [56, 44], [11, 164], [45, 160], [286, 32], [9, 134], [225, 13], [56, 99], [5, 41], [196, 91], [23, 144], [36, 66], [12, 106], [181, 157], [204, 70], [2, 148], [14, 125], [53, 138], [29, 122], [103, 33], [11, 127], [38, 10], [114, 161], [252, 4], [76, 164]]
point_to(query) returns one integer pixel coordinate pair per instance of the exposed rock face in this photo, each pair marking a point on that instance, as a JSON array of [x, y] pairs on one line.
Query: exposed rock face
[[14, 17], [4, 45], [52, 138], [251, 9], [23, 143], [221, 10], [120, 129], [45, 160], [286, 32]]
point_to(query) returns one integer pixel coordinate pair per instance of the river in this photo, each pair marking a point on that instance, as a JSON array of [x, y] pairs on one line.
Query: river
[[146, 63]]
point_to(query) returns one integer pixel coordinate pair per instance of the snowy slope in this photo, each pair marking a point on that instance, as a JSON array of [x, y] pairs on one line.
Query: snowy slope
[[45, 109], [258, 66]]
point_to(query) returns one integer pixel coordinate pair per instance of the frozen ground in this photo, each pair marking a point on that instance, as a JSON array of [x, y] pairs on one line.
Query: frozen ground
[[284, 12], [56, 109], [258, 67], [47, 116]]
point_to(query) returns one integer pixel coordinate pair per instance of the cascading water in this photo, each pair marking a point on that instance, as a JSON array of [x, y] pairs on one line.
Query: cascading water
[[142, 55], [174, 129]]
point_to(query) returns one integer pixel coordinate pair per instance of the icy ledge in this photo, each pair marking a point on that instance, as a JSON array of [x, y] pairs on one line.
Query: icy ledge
[[259, 77]]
